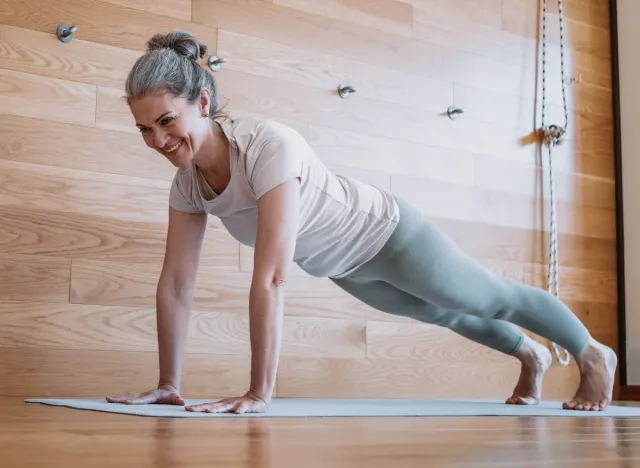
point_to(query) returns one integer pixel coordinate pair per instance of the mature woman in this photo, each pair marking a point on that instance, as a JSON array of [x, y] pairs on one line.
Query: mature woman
[[272, 193]]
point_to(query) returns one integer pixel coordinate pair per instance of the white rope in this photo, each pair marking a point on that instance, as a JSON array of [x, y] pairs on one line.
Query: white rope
[[554, 136]]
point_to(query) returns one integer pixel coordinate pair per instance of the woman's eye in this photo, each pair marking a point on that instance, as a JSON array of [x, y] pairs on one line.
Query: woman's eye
[[168, 120]]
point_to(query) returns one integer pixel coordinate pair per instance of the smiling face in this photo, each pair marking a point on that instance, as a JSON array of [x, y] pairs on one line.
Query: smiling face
[[172, 126]]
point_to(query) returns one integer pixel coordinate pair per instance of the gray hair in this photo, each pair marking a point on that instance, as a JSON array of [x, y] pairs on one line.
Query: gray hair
[[171, 64]]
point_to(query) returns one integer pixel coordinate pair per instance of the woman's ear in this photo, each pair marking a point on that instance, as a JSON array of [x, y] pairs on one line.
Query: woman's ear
[[205, 102]]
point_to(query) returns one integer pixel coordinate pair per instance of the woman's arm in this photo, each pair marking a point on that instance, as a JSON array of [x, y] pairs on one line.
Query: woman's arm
[[273, 256], [173, 301], [175, 290]]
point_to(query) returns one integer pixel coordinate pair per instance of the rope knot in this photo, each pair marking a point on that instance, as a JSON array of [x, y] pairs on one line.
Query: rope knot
[[554, 134]]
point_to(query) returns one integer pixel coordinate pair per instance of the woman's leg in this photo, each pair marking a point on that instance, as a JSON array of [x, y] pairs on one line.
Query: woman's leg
[[496, 334], [422, 261]]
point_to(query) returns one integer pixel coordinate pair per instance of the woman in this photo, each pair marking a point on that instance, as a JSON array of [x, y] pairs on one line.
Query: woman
[[272, 193]]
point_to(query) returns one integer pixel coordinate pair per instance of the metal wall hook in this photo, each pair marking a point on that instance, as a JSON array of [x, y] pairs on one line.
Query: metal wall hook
[[345, 91], [454, 112], [215, 63], [66, 33]]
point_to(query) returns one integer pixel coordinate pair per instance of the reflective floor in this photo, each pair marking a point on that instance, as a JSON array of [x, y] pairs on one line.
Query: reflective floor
[[34, 435]]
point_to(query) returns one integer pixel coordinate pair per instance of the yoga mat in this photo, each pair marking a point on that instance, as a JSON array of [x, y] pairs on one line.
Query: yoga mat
[[341, 407]]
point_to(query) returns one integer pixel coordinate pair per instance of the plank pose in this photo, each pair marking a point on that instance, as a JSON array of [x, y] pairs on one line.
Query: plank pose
[[272, 193]]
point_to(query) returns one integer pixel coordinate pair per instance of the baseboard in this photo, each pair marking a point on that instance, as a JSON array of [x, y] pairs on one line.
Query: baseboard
[[630, 393]]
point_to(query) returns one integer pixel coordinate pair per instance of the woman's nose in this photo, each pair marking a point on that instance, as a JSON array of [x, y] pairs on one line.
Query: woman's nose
[[161, 139]]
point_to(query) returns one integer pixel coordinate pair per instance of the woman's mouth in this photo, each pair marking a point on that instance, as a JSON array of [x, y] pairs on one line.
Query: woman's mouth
[[174, 148]]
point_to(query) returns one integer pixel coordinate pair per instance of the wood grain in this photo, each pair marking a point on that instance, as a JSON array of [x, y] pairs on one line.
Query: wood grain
[[432, 378], [345, 442], [99, 21], [34, 186], [579, 190], [84, 200], [521, 17], [359, 150], [502, 209], [80, 147], [28, 95], [30, 278], [483, 240], [130, 284], [292, 63], [95, 374], [389, 16], [112, 111], [35, 52], [180, 9], [285, 25], [577, 285], [94, 237], [107, 328]]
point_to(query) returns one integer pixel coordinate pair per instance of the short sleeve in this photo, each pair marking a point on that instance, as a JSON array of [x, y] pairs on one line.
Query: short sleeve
[[177, 198], [280, 160]]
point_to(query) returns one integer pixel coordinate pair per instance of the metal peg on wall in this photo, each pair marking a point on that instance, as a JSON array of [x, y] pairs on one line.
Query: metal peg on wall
[[66, 33], [454, 112], [345, 91], [215, 63]]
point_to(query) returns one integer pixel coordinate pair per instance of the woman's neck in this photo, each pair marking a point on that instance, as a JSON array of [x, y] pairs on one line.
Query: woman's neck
[[213, 159]]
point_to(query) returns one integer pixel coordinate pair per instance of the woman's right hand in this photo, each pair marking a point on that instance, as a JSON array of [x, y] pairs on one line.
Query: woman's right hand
[[163, 395]]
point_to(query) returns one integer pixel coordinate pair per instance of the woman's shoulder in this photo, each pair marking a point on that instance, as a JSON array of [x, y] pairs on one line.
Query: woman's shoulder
[[248, 132]]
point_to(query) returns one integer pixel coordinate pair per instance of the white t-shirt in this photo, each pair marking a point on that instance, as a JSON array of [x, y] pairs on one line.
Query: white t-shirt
[[343, 222]]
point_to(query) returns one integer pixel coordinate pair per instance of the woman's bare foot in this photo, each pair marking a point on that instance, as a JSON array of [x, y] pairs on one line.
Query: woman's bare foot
[[535, 359], [597, 369]]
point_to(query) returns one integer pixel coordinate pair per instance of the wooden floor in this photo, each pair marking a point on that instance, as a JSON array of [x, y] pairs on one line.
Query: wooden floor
[[36, 435]]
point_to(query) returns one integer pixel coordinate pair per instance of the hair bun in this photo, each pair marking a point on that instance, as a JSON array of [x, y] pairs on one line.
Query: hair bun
[[183, 43]]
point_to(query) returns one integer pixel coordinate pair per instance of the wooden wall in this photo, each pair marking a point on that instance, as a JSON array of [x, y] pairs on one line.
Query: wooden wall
[[83, 202]]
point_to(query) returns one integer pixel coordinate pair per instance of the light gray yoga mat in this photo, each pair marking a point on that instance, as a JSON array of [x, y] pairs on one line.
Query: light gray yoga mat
[[340, 407]]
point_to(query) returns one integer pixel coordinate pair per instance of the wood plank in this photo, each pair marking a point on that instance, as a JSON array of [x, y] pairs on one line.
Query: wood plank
[[320, 34], [98, 21], [80, 147], [95, 374], [577, 284], [294, 64], [134, 285], [482, 240], [37, 187], [502, 209], [582, 191], [384, 15], [476, 27], [424, 342], [359, 151], [93, 237], [585, 127], [594, 12], [106, 328], [34, 96], [180, 9], [30, 278], [80, 61], [371, 378], [113, 113], [522, 17], [248, 93], [344, 442]]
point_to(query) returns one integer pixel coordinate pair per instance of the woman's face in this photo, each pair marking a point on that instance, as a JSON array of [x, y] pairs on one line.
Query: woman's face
[[172, 126]]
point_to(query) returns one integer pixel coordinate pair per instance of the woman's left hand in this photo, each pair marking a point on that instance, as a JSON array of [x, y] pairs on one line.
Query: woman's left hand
[[248, 403]]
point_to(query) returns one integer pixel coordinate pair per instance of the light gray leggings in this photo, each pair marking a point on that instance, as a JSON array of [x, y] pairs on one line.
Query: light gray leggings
[[421, 273]]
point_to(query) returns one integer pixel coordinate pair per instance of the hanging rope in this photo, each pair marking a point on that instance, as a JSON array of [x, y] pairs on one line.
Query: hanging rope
[[553, 135]]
